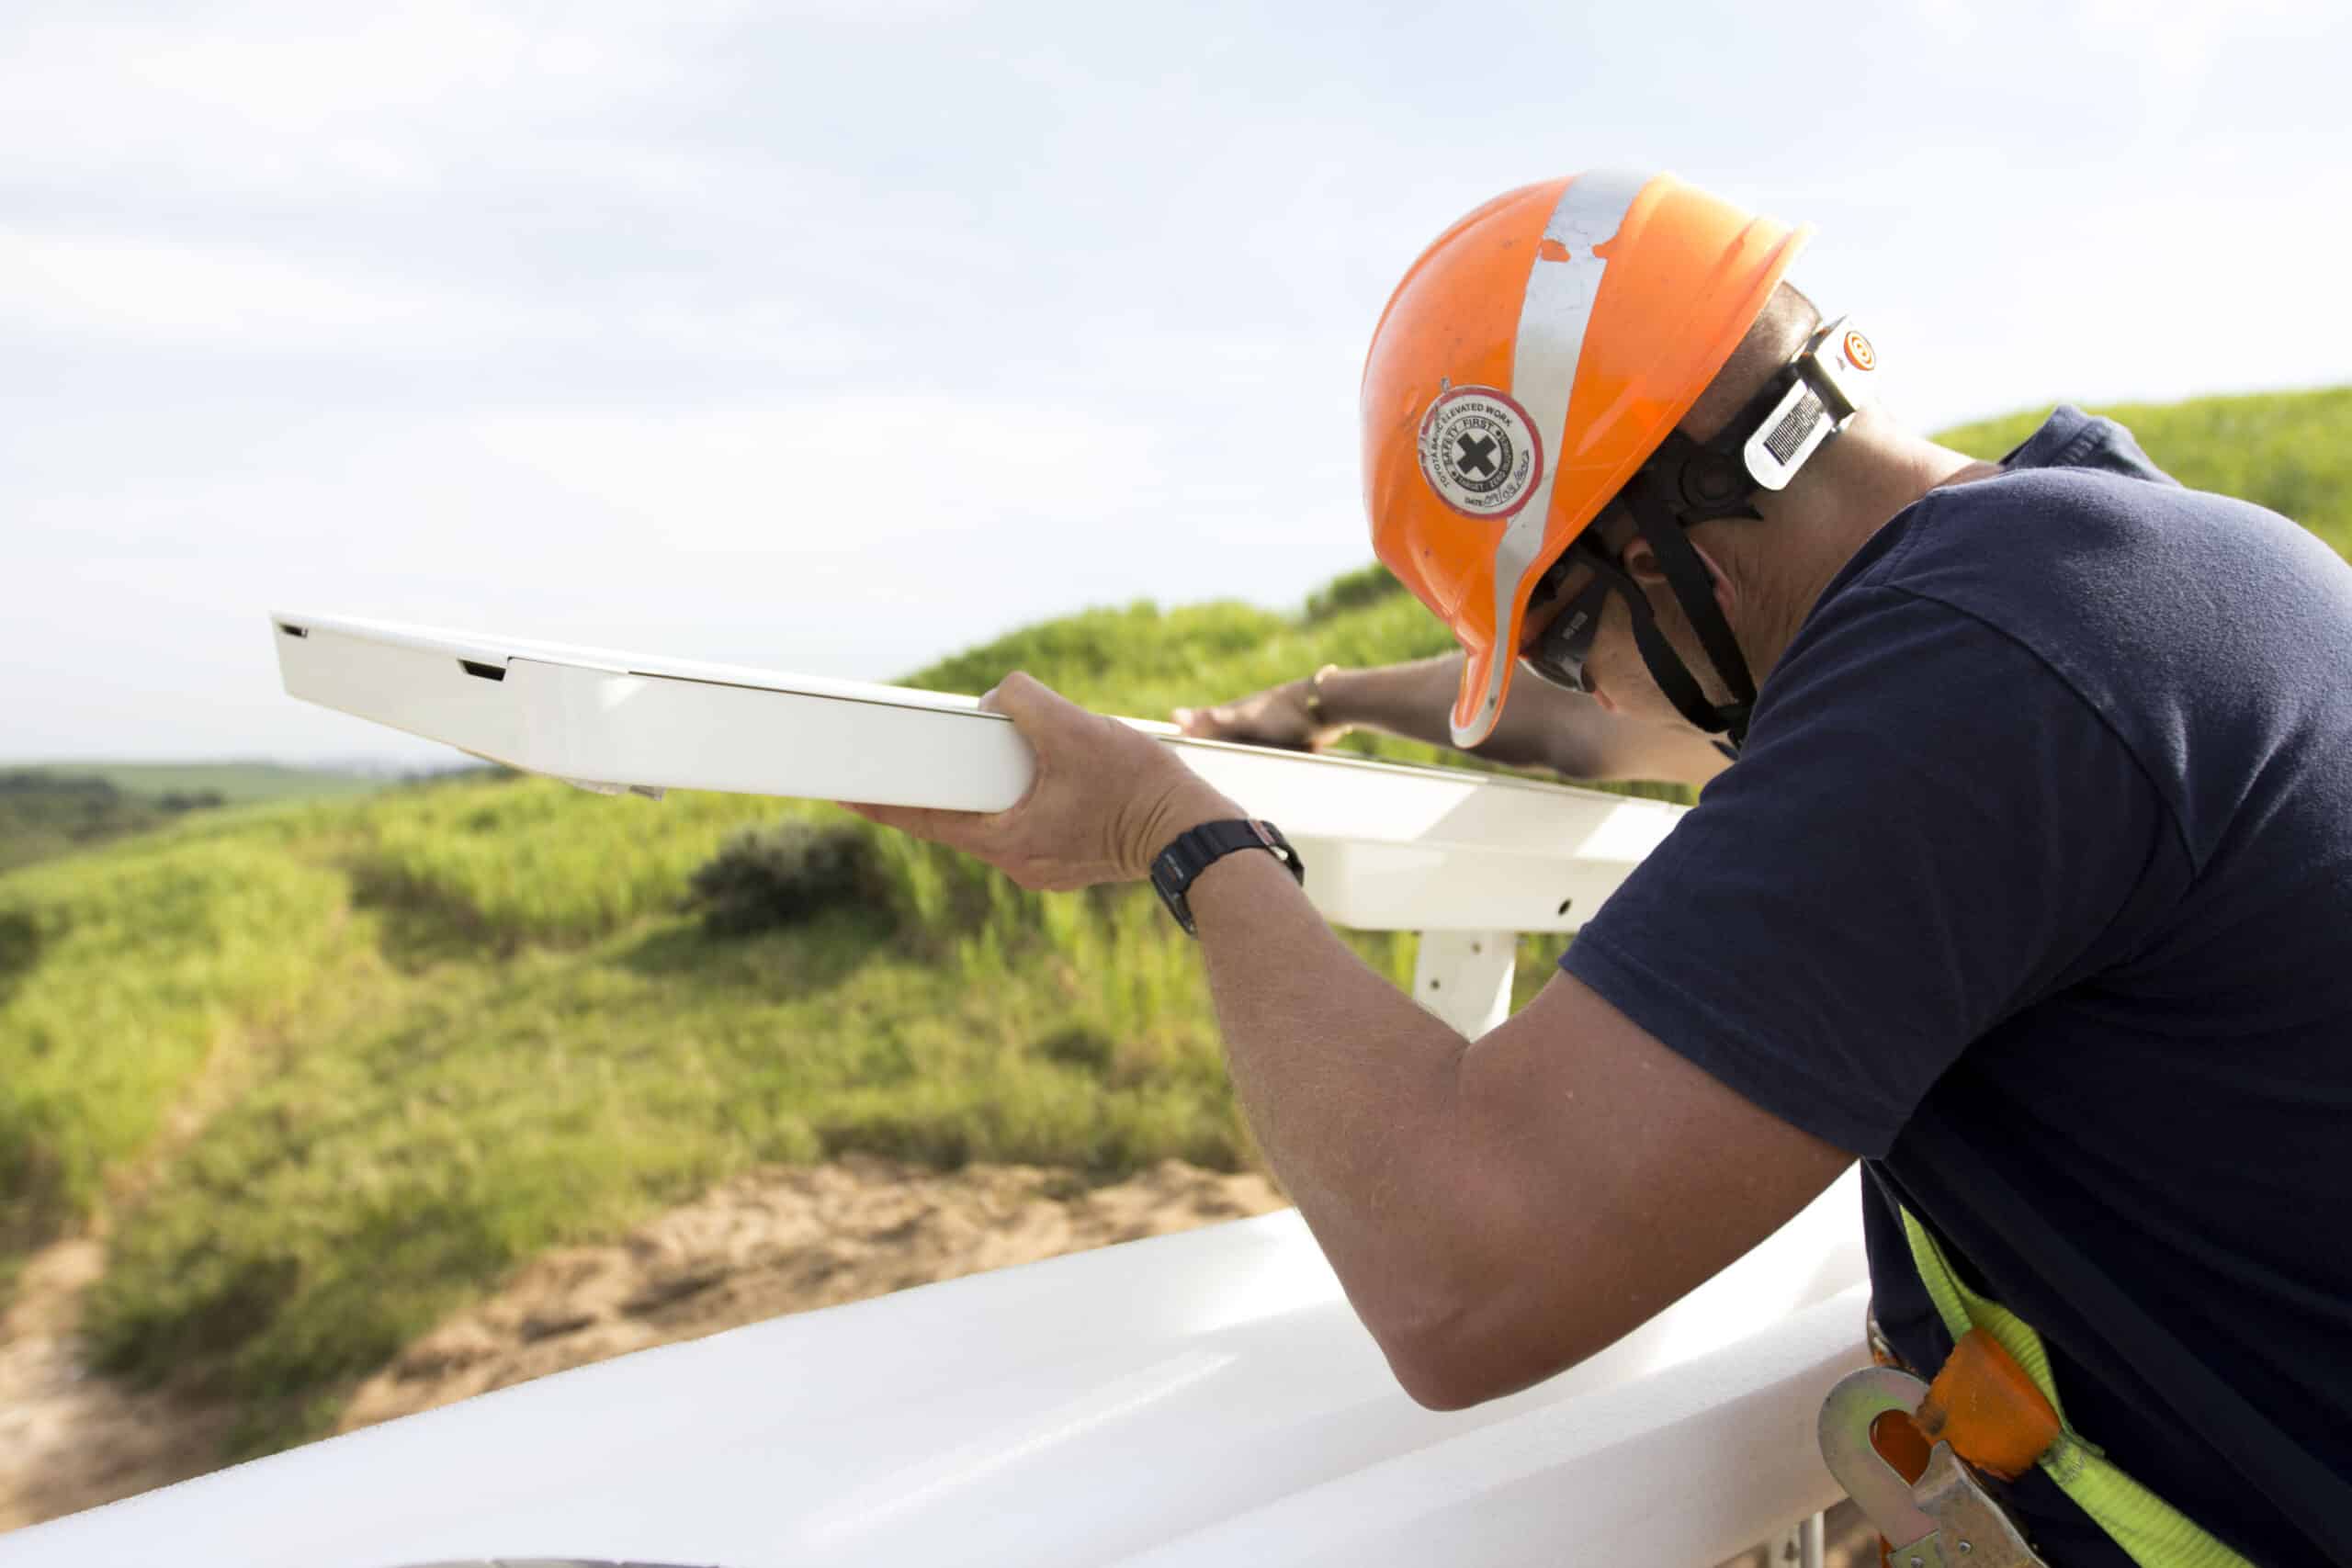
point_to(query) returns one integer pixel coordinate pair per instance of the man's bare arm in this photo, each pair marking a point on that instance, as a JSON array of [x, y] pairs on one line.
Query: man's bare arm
[[1495, 1210], [1542, 726]]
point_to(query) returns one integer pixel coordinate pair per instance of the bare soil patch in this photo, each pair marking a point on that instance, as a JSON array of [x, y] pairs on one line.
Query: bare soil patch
[[783, 1241]]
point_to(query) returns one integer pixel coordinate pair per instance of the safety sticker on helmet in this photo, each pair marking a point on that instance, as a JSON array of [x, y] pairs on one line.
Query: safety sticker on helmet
[[1480, 452]]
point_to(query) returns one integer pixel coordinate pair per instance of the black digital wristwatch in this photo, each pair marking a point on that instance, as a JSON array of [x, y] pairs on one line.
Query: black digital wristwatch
[[1194, 852]]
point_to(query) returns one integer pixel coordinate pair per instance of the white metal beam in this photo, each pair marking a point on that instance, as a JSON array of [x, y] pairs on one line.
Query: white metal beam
[[1387, 847]]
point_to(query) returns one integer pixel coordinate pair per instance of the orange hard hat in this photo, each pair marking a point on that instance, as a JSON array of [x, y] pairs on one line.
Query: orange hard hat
[[1530, 362]]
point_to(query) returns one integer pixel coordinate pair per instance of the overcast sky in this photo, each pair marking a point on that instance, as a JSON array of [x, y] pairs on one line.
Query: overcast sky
[[833, 338]]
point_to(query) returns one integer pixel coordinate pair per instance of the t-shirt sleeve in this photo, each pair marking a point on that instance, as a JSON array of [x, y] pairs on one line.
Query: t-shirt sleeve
[[1927, 832]]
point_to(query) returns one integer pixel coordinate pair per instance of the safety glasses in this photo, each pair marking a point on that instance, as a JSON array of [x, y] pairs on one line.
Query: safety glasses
[[1559, 651]]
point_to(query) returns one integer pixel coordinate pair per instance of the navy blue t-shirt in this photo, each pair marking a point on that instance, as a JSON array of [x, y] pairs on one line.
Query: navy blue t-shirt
[[2038, 861]]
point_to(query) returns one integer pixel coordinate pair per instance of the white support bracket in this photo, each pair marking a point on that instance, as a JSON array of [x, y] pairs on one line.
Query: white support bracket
[[1803, 1545], [1464, 977]]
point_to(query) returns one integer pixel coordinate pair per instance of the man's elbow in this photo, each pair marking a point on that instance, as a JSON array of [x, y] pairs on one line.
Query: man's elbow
[[1481, 1322], [1469, 1363], [1434, 1386]]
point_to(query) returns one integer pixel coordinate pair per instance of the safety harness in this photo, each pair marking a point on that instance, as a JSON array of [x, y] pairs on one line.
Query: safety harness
[[1685, 483], [2309, 1495], [1910, 1452]]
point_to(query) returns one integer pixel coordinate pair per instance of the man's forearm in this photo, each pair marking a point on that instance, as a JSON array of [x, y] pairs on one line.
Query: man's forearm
[[1348, 1084], [1540, 726], [1413, 700]]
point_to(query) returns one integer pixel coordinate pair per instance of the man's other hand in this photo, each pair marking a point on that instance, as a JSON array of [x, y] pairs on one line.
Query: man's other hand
[[1275, 716]]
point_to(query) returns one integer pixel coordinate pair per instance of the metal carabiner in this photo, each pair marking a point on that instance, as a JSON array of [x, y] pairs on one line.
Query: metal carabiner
[[1947, 1521]]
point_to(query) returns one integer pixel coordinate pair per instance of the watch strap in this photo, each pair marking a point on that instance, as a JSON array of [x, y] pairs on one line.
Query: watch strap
[[1191, 852]]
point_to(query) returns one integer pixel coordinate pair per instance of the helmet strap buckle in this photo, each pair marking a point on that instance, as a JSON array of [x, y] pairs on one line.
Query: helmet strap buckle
[[1816, 396]]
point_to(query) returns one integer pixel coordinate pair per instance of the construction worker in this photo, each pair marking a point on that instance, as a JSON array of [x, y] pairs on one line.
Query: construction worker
[[2030, 887]]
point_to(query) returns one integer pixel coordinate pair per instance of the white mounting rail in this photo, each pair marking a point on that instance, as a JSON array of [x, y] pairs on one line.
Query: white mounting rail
[[1194, 1401], [1387, 848]]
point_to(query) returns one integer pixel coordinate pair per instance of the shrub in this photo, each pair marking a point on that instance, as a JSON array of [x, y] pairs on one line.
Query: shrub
[[20, 943], [1079, 1045], [1366, 585], [786, 872], [172, 803]]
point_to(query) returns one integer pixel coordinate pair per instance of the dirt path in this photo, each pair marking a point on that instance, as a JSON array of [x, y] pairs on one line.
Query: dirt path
[[70, 1440], [73, 1440]]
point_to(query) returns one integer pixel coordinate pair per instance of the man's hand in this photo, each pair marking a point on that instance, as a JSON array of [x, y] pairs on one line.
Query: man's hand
[[1275, 716], [1106, 799]]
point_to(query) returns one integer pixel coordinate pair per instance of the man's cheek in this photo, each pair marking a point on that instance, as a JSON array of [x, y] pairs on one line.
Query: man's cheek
[[1616, 667]]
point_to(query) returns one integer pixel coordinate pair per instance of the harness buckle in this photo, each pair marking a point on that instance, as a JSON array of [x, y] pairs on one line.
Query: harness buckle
[[1945, 1519]]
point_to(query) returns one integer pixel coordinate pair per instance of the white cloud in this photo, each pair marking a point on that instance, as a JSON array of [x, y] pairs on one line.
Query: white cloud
[[1954, 20], [223, 296], [848, 473], [306, 71], [261, 97], [246, 300]]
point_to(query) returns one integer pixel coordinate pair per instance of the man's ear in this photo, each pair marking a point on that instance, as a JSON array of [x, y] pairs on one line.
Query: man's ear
[[1642, 565]]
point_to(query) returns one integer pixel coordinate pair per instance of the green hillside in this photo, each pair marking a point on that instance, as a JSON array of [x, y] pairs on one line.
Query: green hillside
[[330, 1068]]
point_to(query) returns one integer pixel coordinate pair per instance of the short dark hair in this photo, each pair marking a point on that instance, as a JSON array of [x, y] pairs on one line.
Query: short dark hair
[[1772, 340]]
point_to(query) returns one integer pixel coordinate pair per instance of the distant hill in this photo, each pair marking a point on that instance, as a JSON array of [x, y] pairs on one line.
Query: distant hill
[[53, 809], [335, 1066], [237, 784], [2289, 451]]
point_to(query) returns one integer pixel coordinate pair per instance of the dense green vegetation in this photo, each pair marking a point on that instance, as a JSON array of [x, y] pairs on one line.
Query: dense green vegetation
[[329, 1068]]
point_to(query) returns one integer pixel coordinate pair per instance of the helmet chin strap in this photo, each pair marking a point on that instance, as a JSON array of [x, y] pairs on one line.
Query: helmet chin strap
[[1807, 402], [1693, 587]]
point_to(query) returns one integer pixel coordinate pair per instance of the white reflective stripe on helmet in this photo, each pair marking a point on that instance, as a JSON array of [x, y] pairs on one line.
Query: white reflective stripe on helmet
[[1552, 318]]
